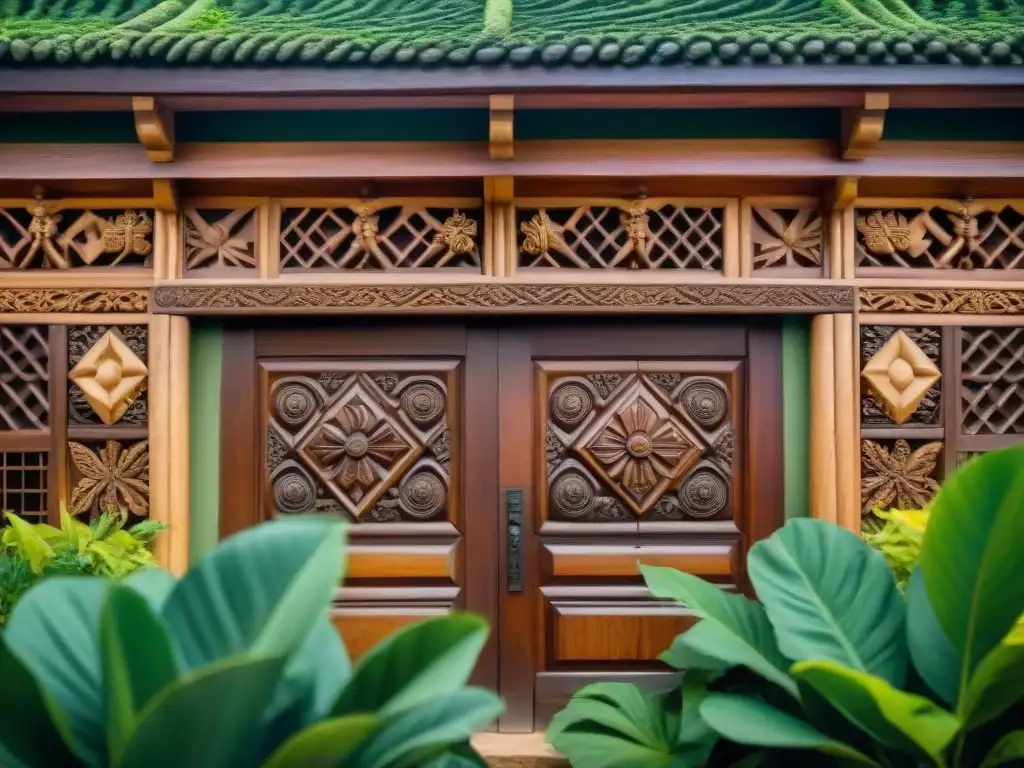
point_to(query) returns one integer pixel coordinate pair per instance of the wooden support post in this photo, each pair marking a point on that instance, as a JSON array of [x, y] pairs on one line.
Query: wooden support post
[[499, 226], [502, 135], [823, 418], [838, 208], [165, 195], [846, 413], [863, 126], [154, 126], [731, 250]]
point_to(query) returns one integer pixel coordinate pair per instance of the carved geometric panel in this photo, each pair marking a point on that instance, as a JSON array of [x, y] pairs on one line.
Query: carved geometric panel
[[872, 339], [992, 381], [898, 474], [630, 235], [23, 484], [373, 445], [624, 445], [109, 477], [24, 377], [81, 339], [219, 239], [956, 236], [39, 237], [371, 237], [899, 375], [786, 238], [110, 376]]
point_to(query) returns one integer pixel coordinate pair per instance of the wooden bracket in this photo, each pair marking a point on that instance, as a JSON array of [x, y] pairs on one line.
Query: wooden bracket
[[842, 194], [502, 139], [165, 195], [154, 125], [863, 125]]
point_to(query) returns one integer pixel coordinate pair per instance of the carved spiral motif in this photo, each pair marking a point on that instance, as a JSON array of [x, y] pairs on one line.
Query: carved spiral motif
[[423, 402], [294, 403], [572, 495], [705, 401], [704, 494], [294, 492], [570, 404], [423, 494]]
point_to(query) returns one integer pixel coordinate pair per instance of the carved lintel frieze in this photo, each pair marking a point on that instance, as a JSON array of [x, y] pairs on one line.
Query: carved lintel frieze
[[502, 298], [863, 126], [154, 125], [502, 138], [943, 301], [35, 300]]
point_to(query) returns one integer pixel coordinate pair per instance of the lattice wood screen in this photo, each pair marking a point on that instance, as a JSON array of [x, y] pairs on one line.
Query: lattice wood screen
[[976, 406], [73, 405]]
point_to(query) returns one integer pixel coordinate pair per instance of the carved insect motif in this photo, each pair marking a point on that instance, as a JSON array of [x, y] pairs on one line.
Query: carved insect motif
[[637, 228], [126, 235], [43, 228], [885, 233]]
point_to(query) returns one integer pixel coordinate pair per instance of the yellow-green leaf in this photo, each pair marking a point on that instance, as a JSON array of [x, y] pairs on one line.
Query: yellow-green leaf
[[30, 544]]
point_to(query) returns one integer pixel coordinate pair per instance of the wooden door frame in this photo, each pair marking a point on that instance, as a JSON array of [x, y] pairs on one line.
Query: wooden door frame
[[532, 694]]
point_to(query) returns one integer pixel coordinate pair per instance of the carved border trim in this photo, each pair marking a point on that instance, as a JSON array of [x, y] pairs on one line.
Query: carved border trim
[[500, 298], [38, 300], [943, 301]]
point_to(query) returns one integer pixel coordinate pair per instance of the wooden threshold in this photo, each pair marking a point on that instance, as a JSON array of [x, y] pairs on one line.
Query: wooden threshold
[[697, 158], [517, 750]]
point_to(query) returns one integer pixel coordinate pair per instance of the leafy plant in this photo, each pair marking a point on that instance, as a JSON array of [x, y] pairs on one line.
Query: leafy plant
[[235, 664], [898, 538], [836, 660]]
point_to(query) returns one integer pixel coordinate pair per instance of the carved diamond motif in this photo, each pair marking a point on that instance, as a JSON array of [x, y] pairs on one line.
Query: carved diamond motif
[[110, 376], [899, 376], [357, 452], [640, 447]]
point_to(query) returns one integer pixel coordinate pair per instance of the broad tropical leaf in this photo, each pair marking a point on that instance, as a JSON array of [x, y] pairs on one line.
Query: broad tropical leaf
[[415, 664], [996, 685], [259, 592], [682, 657], [54, 631], [734, 629], [154, 584], [325, 744], [588, 748], [1006, 750], [933, 655], [460, 756], [830, 596], [137, 661], [900, 720], [695, 735], [188, 724], [753, 722], [424, 732], [970, 556], [33, 732]]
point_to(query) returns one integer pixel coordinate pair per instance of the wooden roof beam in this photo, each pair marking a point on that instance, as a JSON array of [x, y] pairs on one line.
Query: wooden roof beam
[[863, 126], [502, 127], [154, 125]]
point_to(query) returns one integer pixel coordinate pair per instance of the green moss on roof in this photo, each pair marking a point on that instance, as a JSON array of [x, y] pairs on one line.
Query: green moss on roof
[[517, 32]]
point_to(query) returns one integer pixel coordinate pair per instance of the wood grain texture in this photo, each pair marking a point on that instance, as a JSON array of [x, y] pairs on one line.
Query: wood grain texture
[[404, 562], [239, 439], [620, 560], [823, 419], [597, 634], [847, 447]]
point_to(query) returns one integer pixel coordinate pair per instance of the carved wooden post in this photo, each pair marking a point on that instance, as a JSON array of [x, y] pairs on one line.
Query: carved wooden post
[[847, 413], [823, 418], [500, 226]]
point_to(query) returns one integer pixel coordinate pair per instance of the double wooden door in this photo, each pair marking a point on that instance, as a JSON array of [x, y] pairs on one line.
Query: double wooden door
[[516, 470]]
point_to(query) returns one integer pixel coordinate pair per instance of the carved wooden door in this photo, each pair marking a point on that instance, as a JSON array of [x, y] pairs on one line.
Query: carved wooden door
[[620, 444]]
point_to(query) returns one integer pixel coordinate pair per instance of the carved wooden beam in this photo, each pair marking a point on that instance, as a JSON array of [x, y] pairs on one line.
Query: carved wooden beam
[[863, 125], [165, 195], [841, 194], [501, 134], [154, 125]]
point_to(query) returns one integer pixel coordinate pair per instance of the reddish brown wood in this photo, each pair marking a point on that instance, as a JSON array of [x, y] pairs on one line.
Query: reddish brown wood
[[239, 480], [764, 433], [57, 472]]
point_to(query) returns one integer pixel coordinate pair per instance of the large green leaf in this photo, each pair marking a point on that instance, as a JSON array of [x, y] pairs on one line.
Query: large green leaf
[[422, 733], [260, 592], [414, 664], [734, 629], [933, 655], [619, 707], [900, 720], [460, 756], [325, 744], [970, 556], [54, 630], [588, 748], [154, 584], [209, 718], [996, 685], [1007, 749], [33, 732], [753, 722], [830, 596], [682, 657], [695, 736], [137, 661]]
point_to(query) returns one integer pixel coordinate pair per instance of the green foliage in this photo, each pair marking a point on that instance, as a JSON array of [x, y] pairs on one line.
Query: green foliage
[[874, 676], [235, 664], [898, 538], [102, 548]]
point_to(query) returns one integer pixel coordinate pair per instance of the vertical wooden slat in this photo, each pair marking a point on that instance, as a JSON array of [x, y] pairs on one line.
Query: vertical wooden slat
[[951, 373], [160, 444], [178, 469], [57, 474], [746, 244], [848, 241], [268, 247], [847, 508], [731, 240], [823, 418]]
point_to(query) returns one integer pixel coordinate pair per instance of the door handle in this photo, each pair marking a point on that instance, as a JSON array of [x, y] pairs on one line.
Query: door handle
[[515, 503]]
